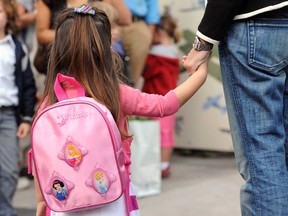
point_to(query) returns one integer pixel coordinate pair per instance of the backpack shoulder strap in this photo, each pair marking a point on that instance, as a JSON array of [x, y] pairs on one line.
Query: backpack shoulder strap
[[60, 92]]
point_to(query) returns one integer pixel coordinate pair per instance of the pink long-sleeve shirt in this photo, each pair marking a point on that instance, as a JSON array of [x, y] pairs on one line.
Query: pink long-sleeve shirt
[[135, 102]]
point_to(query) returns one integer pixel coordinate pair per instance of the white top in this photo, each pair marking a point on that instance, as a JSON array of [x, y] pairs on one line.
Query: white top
[[168, 51], [117, 208], [8, 88]]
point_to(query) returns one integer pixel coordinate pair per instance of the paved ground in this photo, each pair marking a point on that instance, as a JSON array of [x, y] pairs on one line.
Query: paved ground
[[200, 185]]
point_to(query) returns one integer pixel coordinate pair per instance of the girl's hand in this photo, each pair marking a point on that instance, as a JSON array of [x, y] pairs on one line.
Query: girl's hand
[[194, 59], [41, 209]]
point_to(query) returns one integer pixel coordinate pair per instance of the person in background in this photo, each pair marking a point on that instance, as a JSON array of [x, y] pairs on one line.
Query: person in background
[[137, 37], [26, 23], [252, 38], [27, 15], [17, 101], [124, 14], [161, 75], [93, 65], [47, 12]]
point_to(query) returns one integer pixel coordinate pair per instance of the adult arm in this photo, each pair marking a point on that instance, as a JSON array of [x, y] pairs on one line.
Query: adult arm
[[25, 18], [125, 16], [45, 35], [217, 18]]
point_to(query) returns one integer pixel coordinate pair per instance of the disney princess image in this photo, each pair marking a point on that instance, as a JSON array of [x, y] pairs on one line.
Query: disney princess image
[[59, 187], [73, 155], [60, 191], [72, 152], [101, 182]]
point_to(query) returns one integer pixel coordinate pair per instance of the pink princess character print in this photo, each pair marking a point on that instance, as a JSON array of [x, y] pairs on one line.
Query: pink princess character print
[[60, 190], [73, 155], [72, 152], [101, 181], [59, 187]]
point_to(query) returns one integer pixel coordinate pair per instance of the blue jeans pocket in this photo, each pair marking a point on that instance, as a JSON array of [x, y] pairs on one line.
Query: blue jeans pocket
[[269, 52]]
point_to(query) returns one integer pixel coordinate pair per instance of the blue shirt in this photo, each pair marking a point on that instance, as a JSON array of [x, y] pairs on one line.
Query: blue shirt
[[148, 9]]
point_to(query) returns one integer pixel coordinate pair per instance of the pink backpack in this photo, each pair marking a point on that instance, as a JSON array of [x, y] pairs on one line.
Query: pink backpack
[[77, 152]]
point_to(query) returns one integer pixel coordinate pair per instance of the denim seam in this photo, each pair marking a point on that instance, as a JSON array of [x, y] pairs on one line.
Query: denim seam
[[250, 33], [248, 149]]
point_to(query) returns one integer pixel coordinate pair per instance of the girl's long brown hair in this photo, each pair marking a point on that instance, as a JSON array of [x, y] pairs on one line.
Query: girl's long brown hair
[[82, 49]]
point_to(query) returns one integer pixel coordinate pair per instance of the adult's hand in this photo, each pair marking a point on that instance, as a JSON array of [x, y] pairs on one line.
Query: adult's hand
[[194, 59]]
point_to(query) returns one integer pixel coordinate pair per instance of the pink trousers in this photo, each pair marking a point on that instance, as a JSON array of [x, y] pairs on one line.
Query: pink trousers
[[167, 125]]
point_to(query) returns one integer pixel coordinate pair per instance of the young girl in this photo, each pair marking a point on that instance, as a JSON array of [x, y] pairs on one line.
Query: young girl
[[17, 101], [161, 75], [82, 49]]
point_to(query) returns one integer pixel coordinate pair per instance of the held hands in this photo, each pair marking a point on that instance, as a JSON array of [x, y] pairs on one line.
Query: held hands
[[194, 59]]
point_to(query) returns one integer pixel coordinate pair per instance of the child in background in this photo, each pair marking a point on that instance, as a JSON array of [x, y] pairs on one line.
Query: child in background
[[27, 16], [160, 76], [137, 37], [17, 101], [82, 49]]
